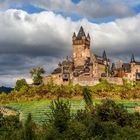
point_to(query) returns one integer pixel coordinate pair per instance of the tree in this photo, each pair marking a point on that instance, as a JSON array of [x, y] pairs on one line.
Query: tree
[[29, 133], [60, 115], [88, 97], [36, 75], [20, 84], [107, 69]]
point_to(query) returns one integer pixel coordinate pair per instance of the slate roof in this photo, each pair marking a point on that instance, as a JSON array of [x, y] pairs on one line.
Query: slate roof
[[99, 59], [66, 62], [126, 67], [80, 33], [56, 71], [104, 55], [132, 59], [137, 63]]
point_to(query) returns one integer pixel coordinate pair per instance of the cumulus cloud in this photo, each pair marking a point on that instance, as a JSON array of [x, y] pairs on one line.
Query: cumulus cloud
[[88, 8], [44, 39]]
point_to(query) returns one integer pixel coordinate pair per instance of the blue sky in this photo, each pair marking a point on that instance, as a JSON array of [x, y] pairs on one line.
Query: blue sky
[[38, 32], [31, 7]]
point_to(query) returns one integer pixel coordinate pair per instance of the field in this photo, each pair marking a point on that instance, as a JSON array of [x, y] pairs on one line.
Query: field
[[41, 109]]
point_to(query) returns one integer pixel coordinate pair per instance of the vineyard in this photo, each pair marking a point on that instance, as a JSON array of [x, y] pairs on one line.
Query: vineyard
[[41, 109]]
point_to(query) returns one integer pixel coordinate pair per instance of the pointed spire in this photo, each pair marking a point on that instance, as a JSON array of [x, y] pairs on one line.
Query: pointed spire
[[104, 55], [113, 67], [81, 32], [59, 64], [132, 58], [88, 36], [74, 35], [67, 58]]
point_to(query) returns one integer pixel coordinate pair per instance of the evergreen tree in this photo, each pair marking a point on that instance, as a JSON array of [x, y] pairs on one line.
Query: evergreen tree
[[88, 97]]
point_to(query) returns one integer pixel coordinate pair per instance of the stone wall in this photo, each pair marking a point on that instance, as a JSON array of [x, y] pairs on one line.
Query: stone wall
[[56, 78], [134, 69], [114, 80], [85, 81], [100, 69]]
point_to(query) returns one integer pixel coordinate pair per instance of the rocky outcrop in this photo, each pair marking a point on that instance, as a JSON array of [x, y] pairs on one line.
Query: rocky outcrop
[[8, 112]]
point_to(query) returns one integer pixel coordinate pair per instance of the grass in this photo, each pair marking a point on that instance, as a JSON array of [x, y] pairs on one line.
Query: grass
[[40, 109]]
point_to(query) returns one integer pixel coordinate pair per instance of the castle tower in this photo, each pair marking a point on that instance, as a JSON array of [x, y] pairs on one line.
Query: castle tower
[[133, 68], [132, 59], [104, 56], [81, 47]]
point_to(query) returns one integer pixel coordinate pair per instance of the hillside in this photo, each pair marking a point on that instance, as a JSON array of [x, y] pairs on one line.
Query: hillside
[[5, 89]]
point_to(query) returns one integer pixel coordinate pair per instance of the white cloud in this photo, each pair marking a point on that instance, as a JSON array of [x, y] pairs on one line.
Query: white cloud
[[43, 39], [87, 8]]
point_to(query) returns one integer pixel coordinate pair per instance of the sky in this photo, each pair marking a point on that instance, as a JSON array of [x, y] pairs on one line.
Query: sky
[[38, 33]]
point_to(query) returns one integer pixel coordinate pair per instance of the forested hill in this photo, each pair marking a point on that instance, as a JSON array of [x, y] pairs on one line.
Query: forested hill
[[5, 89]]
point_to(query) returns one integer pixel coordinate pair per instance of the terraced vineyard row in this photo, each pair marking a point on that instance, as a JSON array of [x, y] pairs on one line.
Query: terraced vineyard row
[[41, 109]]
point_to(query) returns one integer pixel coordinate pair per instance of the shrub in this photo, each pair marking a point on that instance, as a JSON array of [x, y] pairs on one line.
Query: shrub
[[3, 95], [60, 115], [28, 129], [88, 97], [110, 111], [21, 85]]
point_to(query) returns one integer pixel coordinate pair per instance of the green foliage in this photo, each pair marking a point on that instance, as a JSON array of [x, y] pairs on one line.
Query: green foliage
[[107, 69], [3, 95], [28, 129], [128, 84], [110, 111], [21, 85], [8, 126], [88, 97], [37, 80], [109, 121], [60, 115], [36, 75], [76, 131]]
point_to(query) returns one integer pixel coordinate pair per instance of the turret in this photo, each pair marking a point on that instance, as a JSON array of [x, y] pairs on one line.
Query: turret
[[105, 59], [74, 36], [88, 36], [133, 59], [104, 56], [113, 67]]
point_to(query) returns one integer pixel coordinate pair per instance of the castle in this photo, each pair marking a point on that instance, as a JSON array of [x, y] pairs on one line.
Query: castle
[[129, 71], [86, 68]]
